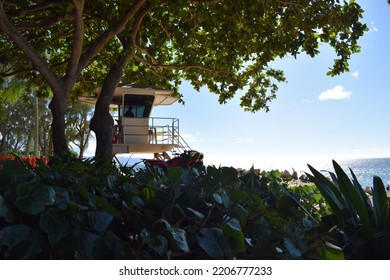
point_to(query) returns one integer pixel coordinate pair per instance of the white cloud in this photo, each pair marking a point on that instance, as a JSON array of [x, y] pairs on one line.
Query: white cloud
[[337, 93], [355, 74]]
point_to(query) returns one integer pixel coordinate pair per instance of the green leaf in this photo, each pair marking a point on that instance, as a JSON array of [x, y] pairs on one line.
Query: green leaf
[[87, 242], [4, 212], [99, 221], [33, 197], [178, 236], [87, 195], [62, 198], [13, 92], [67, 247], [137, 202], [292, 250], [51, 222], [228, 176], [214, 243], [238, 196], [127, 187], [241, 213], [353, 198], [233, 231], [160, 244], [328, 190], [196, 213], [366, 199], [217, 198], [145, 236], [381, 204], [261, 231], [5, 180], [20, 241], [226, 200], [332, 252], [54, 225], [174, 173], [106, 206], [111, 180], [148, 194]]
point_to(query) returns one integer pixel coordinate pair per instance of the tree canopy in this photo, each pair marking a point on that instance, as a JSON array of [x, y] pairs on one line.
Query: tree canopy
[[226, 46]]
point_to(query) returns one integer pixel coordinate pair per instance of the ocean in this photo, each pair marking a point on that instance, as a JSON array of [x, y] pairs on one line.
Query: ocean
[[365, 169]]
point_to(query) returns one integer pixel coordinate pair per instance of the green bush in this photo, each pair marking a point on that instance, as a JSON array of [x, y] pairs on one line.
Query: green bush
[[73, 209], [82, 209], [359, 224]]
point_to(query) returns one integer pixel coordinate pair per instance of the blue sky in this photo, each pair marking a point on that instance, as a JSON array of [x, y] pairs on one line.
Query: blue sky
[[314, 119]]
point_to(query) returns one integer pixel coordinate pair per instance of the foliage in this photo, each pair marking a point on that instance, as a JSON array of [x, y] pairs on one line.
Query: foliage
[[81, 209], [312, 200], [76, 43], [361, 223], [230, 52], [77, 125], [72, 209], [17, 125]]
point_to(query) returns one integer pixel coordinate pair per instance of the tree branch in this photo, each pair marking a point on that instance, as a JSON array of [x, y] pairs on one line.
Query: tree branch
[[72, 70], [137, 25], [177, 67], [32, 9], [99, 44], [37, 60]]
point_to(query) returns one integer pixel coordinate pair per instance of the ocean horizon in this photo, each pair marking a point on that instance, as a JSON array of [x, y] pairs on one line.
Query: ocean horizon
[[365, 169]]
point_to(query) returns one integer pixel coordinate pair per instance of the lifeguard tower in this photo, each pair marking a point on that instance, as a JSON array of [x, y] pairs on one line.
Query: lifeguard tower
[[135, 131]]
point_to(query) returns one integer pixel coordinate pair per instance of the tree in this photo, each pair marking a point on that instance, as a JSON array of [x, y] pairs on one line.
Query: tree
[[51, 35], [233, 51], [22, 115], [227, 46], [15, 124], [77, 126]]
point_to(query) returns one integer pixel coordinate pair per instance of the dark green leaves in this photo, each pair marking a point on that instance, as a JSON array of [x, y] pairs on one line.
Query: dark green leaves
[[21, 241], [381, 207], [332, 252], [54, 225], [357, 214], [214, 243], [232, 230], [4, 212], [178, 236], [34, 197], [99, 221], [354, 199], [216, 213], [328, 189]]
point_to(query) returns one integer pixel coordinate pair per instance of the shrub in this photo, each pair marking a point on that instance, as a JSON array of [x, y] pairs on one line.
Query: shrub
[[358, 223], [79, 209]]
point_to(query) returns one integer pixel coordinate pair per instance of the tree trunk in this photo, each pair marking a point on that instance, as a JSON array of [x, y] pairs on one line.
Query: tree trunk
[[102, 122], [4, 134], [36, 111], [84, 135], [57, 108], [3, 147]]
